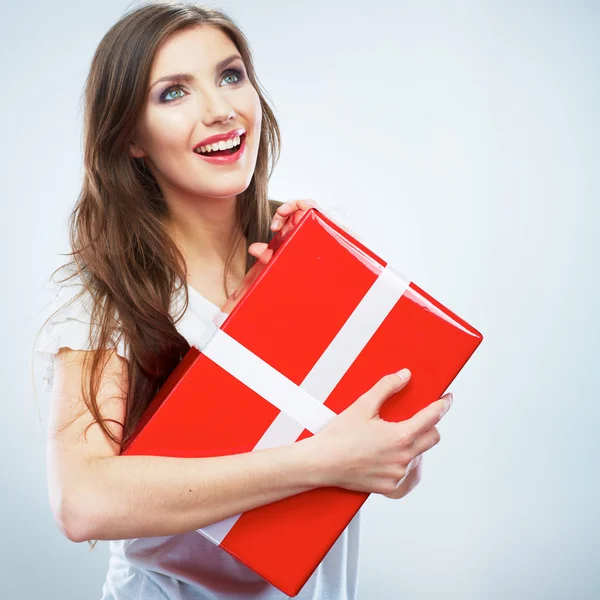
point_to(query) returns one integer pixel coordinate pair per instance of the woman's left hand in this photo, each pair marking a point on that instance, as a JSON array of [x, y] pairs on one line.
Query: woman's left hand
[[287, 209], [259, 249]]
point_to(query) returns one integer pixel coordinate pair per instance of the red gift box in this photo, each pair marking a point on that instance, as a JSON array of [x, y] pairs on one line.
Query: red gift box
[[265, 380]]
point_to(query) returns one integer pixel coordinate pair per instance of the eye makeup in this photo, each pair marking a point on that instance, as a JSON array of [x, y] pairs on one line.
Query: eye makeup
[[177, 84]]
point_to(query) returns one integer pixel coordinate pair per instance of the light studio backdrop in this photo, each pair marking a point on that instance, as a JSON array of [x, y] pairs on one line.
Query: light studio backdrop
[[460, 140]]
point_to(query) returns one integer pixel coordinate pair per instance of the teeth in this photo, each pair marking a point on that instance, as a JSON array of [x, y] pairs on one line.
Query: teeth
[[222, 145]]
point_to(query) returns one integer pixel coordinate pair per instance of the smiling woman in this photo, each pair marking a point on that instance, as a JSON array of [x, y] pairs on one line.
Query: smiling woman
[[195, 91], [179, 145], [163, 230]]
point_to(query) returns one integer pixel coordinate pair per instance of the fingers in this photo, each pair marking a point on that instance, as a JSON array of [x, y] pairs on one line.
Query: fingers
[[291, 205], [428, 417], [426, 436], [261, 251], [281, 217], [426, 441], [288, 208], [383, 389]]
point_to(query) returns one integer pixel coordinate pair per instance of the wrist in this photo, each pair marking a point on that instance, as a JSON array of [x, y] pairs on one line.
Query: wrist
[[315, 469]]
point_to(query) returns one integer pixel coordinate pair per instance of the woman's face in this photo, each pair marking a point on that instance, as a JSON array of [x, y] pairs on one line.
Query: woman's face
[[181, 112]]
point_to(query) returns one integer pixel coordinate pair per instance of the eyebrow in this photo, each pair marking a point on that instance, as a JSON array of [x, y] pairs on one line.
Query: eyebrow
[[189, 77]]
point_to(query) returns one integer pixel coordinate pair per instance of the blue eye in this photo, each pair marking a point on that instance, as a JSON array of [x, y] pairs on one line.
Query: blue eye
[[179, 84], [168, 91], [237, 73]]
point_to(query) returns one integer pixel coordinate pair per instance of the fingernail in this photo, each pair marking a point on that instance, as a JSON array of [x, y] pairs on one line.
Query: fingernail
[[404, 374]]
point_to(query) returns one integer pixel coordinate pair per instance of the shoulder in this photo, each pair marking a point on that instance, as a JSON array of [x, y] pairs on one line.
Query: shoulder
[[68, 320], [70, 294]]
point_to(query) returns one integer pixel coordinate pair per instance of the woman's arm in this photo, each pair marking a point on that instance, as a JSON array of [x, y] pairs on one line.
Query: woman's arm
[[97, 494]]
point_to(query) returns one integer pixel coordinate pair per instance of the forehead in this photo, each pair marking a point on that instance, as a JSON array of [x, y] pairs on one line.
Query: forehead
[[192, 49]]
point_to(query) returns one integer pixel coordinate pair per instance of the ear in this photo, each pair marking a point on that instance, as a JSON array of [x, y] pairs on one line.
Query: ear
[[135, 152]]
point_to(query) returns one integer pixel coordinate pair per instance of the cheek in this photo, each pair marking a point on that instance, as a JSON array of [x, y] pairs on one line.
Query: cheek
[[170, 128], [258, 113], [251, 108]]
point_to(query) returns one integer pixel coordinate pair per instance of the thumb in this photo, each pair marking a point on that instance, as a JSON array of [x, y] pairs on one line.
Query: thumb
[[387, 386]]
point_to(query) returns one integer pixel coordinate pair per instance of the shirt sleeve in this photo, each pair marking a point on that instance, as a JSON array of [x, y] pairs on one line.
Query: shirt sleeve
[[69, 327]]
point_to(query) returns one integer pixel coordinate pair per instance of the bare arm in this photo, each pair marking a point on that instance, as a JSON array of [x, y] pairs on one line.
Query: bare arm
[[97, 494]]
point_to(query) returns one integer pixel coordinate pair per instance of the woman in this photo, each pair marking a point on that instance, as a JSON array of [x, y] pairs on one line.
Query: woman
[[163, 229]]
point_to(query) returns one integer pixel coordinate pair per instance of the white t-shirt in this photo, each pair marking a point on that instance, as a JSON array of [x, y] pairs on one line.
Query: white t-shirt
[[187, 566]]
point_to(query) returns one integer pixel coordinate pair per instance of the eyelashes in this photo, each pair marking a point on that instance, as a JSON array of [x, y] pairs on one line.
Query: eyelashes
[[179, 84]]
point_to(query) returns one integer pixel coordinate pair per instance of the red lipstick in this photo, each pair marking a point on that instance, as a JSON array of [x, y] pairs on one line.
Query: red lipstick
[[214, 139], [226, 157]]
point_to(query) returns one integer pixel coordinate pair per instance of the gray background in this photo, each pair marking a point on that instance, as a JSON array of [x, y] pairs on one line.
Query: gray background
[[460, 139]]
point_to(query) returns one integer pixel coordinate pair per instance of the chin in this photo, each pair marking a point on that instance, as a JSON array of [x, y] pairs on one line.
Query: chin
[[224, 191]]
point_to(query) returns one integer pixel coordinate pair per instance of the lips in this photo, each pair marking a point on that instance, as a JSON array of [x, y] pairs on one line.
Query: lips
[[220, 152], [214, 139], [225, 158]]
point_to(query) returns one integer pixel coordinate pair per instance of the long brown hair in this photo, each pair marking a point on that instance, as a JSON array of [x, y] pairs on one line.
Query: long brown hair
[[120, 247]]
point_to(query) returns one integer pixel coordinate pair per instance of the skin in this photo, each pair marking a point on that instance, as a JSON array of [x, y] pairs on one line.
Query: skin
[[262, 253], [97, 494], [201, 196]]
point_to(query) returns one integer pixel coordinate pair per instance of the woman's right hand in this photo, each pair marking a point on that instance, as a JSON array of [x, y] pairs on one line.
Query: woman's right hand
[[365, 453]]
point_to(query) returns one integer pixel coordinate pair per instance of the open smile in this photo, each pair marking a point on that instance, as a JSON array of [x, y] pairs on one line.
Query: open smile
[[226, 156]]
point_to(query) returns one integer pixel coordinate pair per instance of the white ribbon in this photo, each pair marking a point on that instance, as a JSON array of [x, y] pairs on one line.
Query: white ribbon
[[267, 382], [302, 406]]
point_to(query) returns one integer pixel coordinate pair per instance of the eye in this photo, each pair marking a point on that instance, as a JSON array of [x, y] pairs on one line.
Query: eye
[[169, 90], [239, 75]]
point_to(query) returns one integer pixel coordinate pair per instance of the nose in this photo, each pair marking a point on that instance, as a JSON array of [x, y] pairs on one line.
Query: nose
[[215, 107]]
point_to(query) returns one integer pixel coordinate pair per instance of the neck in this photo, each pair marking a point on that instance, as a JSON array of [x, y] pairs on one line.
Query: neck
[[205, 233]]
